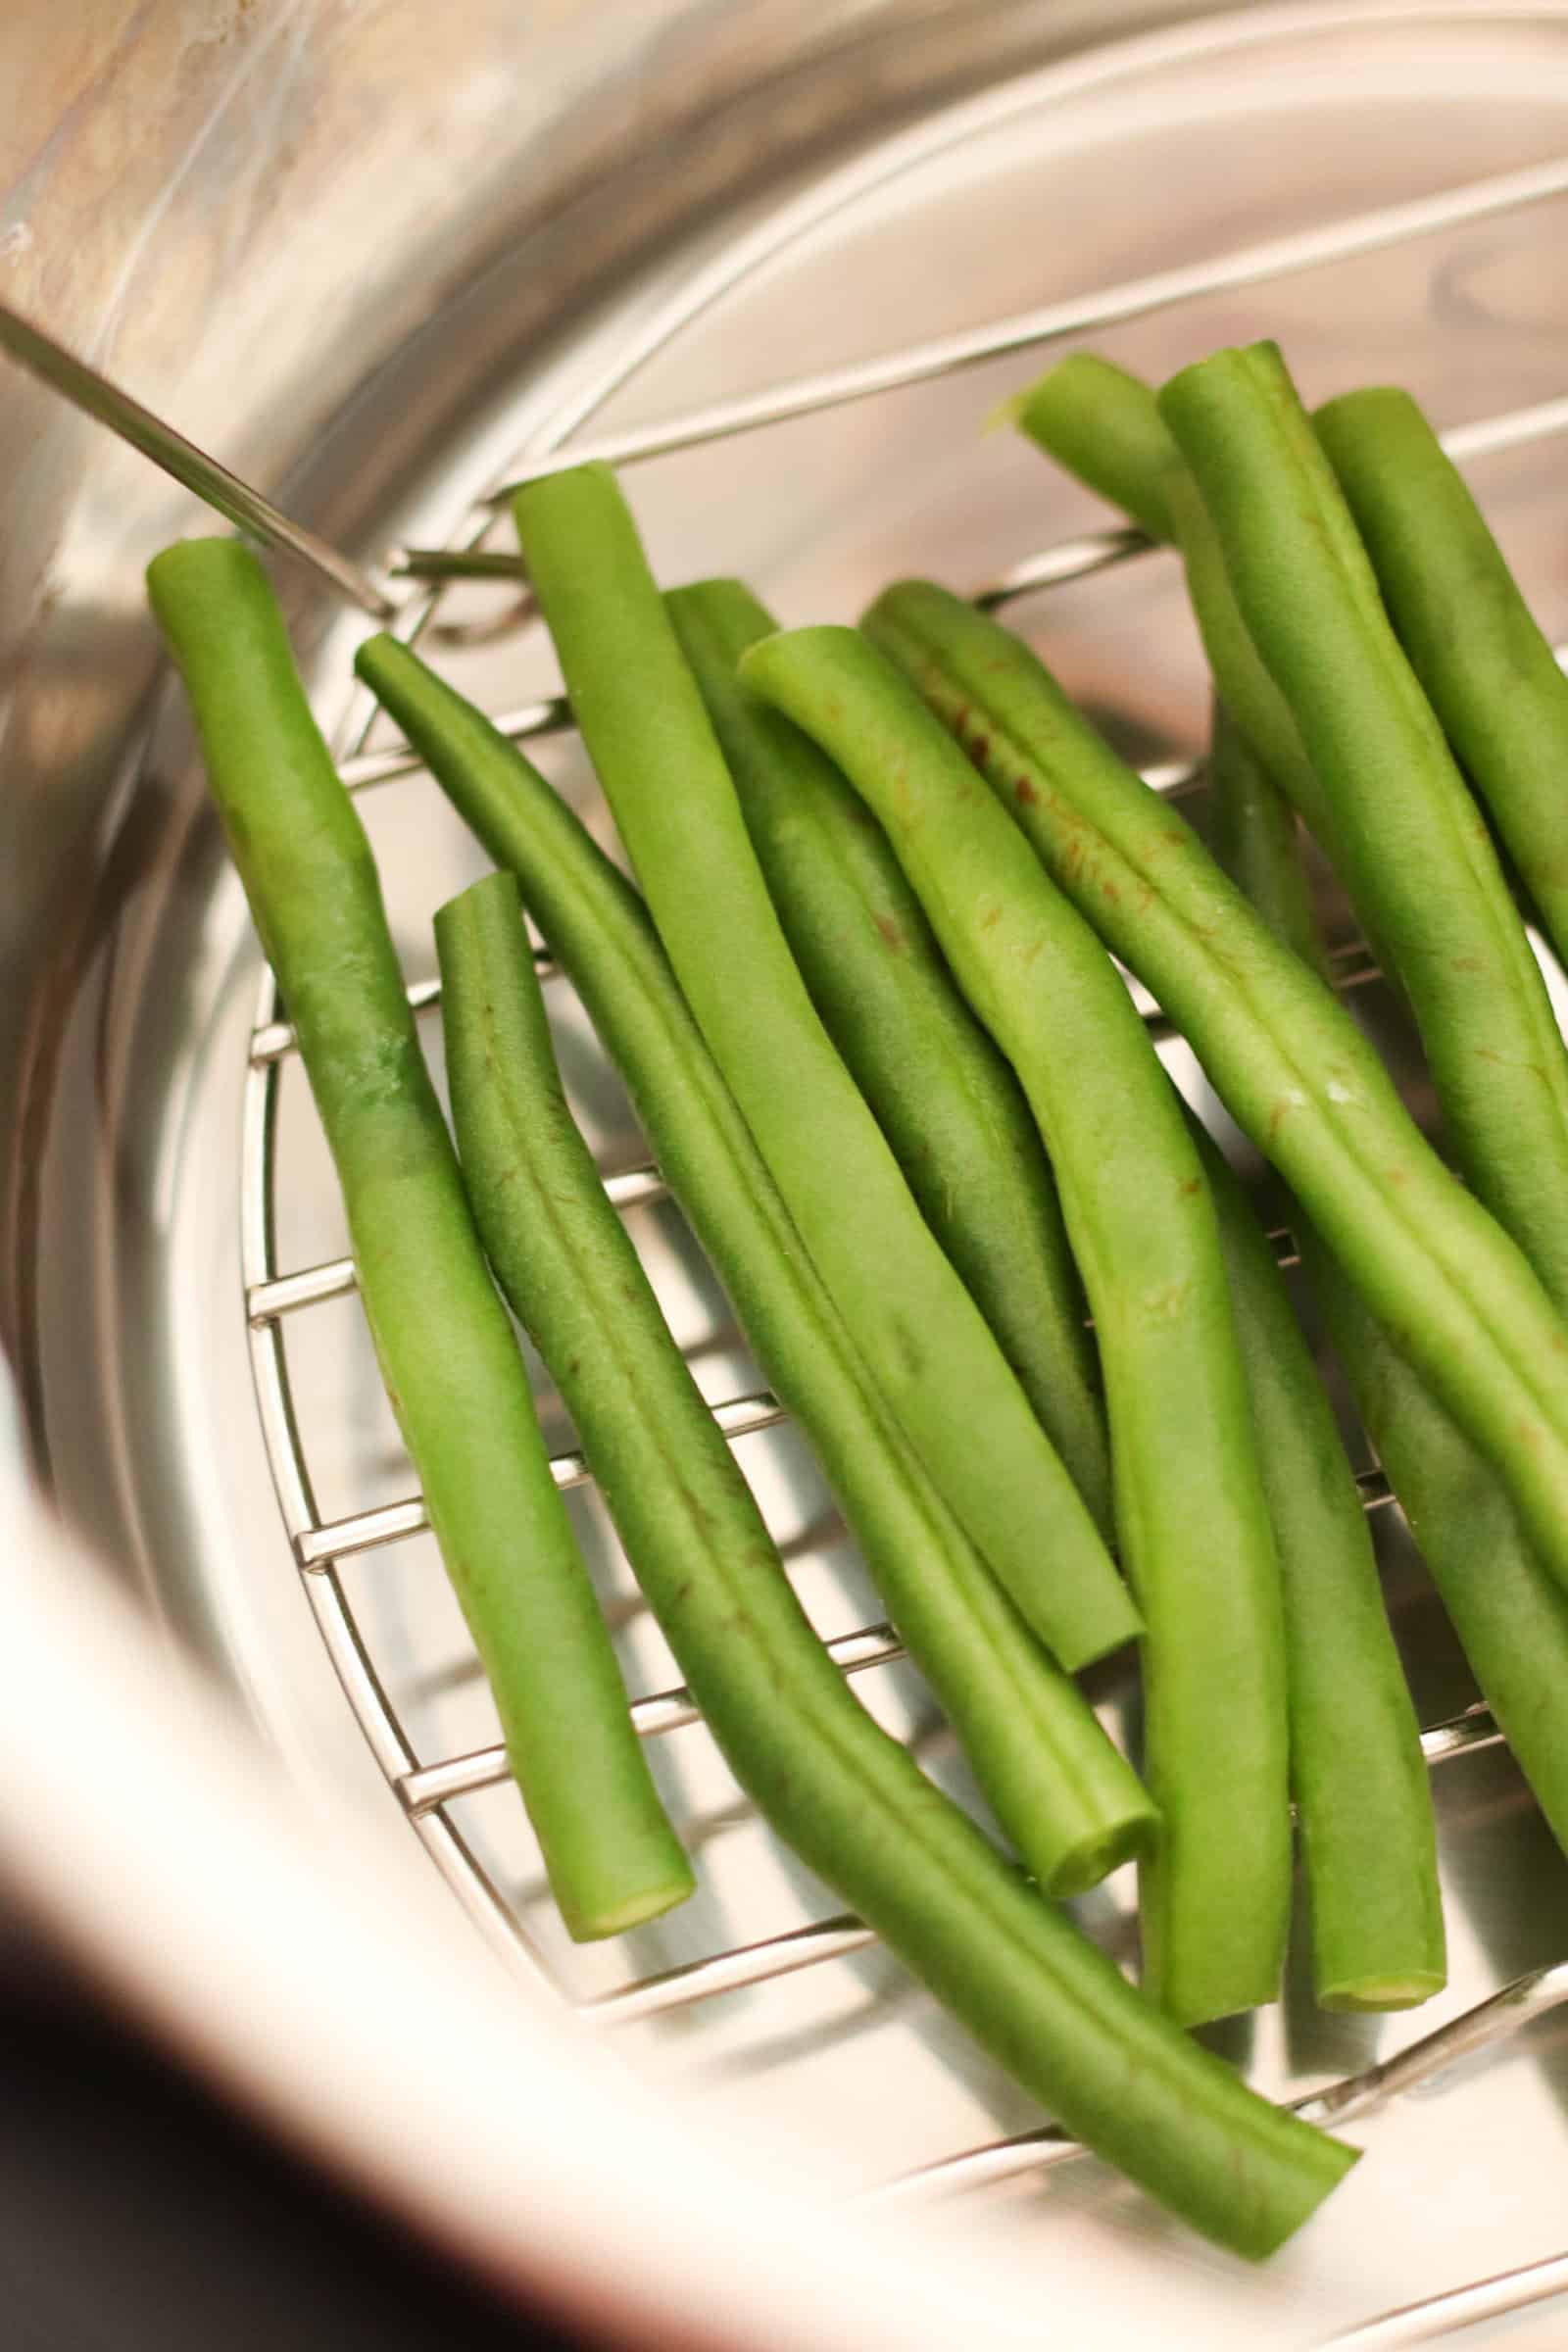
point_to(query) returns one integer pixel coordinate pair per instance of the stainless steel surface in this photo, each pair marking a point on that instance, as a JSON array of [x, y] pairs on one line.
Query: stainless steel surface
[[111, 404], [171, 1091]]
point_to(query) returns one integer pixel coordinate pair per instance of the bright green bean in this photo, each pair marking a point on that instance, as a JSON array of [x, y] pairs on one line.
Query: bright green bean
[[1069, 1802], [924, 1339], [1471, 639], [1190, 1504], [1407, 837], [1361, 1789], [1103, 425], [1510, 1617], [943, 1095], [445, 1348], [1362, 1797], [1255, 837], [853, 1803], [1288, 1062]]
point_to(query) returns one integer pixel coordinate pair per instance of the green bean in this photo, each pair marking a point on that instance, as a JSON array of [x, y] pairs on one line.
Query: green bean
[[1361, 1790], [943, 1097], [1289, 1063], [853, 1804], [1103, 425], [1362, 1799], [1510, 1617], [1362, 1796], [924, 1339], [1471, 639], [1189, 1502], [452, 1368], [1255, 837], [1069, 1802], [1409, 841]]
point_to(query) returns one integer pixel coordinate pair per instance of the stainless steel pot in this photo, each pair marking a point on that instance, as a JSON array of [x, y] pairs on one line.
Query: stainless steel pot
[[367, 253]]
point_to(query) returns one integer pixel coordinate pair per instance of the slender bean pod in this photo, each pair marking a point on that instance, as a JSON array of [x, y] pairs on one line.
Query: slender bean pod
[[1363, 1800], [1362, 1796], [452, 1368], [1064, 1795], [1190, 1504], [1409, 839], [1290, 1065], [1256, 838], [943, 1095], [1512, 1618], [1471, 639], [924, 1339], [853, 1804], [1102, 424]]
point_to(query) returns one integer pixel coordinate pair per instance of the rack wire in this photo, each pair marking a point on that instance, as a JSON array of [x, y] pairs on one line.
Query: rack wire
[[427, 1788]]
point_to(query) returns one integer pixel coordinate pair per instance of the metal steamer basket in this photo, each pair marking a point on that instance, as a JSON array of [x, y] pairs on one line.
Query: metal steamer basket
[[779, 263]]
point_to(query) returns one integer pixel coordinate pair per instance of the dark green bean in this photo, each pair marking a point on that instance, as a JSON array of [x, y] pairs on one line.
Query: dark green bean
[[451, 1364], [1066, 1798], [924, 1339], [1510, 1617], [1290, 1065], [1472, 642], [945, 1098], [1362, 1796], [1189, 1502], [1407, 837], [1103, 424], [1362, 1799], [1041, 1998], [1255, 837]]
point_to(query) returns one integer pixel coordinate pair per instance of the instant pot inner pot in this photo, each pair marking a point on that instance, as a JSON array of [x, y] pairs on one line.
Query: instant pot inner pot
[[213, 1265]]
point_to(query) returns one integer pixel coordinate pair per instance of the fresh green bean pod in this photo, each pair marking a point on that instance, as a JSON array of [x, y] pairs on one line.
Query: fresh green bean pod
[[1471, 639], [1102, 424], [1362, 1796], [943, 1097], [925, 1342], [451, 1364], [1189, 1502], [1256, 838], [1069, 1801], [1363, 1801], [1288, 1062], [1512, 1618], [853, 1803], [1407, 837]]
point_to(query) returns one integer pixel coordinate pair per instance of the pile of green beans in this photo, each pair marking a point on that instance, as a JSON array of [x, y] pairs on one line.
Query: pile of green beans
[[944, 1096], [1471, 639], [853, 1803], [1064, 1795], [1190, 1504], [1407, 837], [924, 1341], [889, 1071], [452, 1368], [1286, 1058]]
